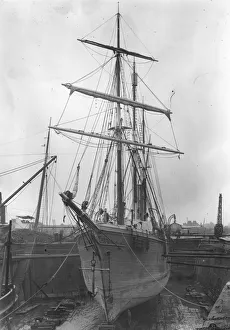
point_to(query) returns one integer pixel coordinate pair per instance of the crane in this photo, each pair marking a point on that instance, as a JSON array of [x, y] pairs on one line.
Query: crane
[[218, 229]]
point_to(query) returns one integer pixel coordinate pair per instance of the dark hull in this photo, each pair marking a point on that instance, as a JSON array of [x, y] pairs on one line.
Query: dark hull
[[129, 267]]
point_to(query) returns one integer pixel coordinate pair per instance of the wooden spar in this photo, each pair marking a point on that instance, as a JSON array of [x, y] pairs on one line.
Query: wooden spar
[[28, 181], [118, 50], [19, 257], [42, 181], [117, 99], [202, 256], [120, 189], [106, 137], [210, 251], [8, 255], [198, 265], [83, 216]]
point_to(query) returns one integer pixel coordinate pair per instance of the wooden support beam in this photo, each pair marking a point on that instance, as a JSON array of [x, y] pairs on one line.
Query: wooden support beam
[[197, 265], [203, 256], [40, 256], [38, 287]]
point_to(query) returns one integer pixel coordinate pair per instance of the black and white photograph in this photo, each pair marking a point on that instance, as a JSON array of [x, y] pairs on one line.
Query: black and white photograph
[[114, 164]]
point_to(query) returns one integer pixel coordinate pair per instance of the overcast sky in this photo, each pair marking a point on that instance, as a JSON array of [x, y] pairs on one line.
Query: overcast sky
[[190, 38]]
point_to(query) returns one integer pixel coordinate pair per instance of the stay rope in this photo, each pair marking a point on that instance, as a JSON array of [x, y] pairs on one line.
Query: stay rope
[[101, 66], [43, 285], [99, 26], [63, 111], [79, 145], [164, 287], [22, 167]]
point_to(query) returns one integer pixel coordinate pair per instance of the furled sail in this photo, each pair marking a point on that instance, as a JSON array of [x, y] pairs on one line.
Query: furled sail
[[75, 188], [117, 99], [118, 50], [109, 138]]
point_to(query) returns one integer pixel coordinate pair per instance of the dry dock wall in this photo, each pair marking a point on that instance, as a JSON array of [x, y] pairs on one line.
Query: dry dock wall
[[213, 280], [30, 274], [183, 244]]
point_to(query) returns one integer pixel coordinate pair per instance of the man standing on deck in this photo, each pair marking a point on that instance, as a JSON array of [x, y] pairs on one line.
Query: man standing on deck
[[106, 216]]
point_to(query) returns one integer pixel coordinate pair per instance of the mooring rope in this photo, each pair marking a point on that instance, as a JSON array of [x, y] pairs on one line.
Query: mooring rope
[[164, 287], [43, 285]]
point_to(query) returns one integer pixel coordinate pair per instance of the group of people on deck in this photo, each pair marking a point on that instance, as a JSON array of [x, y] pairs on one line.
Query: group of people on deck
[[103, 216]]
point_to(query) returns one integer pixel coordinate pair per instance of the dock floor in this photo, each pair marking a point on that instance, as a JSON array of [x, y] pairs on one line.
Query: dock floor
[[164, 312]]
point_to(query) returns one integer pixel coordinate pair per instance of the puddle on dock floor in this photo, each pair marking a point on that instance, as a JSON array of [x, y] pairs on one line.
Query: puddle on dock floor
[[165, 312]]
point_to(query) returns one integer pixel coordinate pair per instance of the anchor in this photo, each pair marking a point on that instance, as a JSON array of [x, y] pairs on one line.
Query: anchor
[[93, 269]]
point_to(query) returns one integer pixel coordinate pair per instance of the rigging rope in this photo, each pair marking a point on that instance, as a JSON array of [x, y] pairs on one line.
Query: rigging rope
[[99, 26], [148, 88], [43, 285], [160, 136], [153, 93], [164, 287], [18, 194], [174, 136], [161, 205], [88, 50], [99, 182], [92, 72], [136, 35], [63, 111], [72, 121], [23, 138], [89, 138], [52, 198], [22, 167]]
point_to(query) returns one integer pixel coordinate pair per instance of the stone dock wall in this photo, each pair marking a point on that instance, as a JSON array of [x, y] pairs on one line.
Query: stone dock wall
[[30, 274]]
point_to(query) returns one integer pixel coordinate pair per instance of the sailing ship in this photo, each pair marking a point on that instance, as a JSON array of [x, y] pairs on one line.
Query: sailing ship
[[121, 218], [8, 295]]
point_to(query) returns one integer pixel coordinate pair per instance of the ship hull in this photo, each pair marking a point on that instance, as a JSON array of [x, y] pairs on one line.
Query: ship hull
[[129, 267]]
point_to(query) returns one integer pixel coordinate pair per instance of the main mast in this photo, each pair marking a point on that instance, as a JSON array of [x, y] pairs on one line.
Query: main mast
[[134, 183], [120, 203], [143, 188]]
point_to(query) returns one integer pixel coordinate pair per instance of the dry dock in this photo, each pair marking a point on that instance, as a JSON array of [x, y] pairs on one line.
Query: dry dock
[[165, 312], [183, 305]]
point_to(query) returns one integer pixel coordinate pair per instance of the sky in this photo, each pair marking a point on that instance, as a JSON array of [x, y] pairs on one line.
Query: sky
[[39, 51]]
